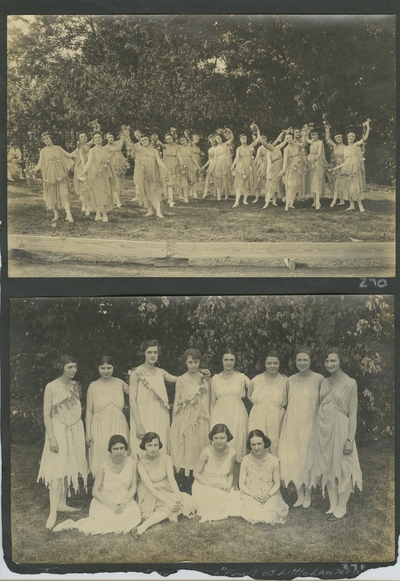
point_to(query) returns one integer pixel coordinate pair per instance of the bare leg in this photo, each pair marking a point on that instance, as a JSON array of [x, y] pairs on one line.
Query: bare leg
[[152, 520], [235, 205], [117, 199], [158, 210], [170, 197], [300, 496], [307, 497], [333, 497], [333, 203], [351, 207], [317, 201], [55, 212], [267, 199], [360, 204], [344, 496], [218, 194], [55, 496], [68, 212]]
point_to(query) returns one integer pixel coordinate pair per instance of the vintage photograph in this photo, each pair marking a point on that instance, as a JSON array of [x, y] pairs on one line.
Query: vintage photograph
[[201, 145], [209, 429]]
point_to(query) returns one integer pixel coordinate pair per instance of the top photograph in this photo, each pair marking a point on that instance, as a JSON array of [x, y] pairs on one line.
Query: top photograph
[[201, 145]]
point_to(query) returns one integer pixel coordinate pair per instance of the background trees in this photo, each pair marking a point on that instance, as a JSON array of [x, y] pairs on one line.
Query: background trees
[[42, 329], [201, 72]]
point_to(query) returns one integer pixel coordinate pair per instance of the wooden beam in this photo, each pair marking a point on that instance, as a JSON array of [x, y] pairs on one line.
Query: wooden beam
[[134, 248], [288, 250]]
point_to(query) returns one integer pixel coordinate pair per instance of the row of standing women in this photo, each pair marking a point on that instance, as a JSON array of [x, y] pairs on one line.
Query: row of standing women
[[309, 422], [171, 170]]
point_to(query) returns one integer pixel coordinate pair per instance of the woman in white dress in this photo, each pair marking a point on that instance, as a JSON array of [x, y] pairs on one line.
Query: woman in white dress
[[112, 509], [213, 495], [104, 413], [148, 398], [296, 443], [260, 482], [63, 458], [227, 390], [336, 463], [191, 415], [158, 492], [268, 394]]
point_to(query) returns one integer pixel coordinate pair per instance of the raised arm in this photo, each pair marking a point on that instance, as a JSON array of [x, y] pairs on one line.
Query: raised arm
[[366, 134]]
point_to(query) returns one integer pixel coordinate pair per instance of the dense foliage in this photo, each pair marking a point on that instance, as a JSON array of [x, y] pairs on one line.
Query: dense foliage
[[42, 329], [203, 72]]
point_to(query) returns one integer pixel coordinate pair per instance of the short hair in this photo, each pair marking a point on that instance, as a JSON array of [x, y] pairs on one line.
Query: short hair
[[337, 350], [295, 129], [167, 135], [97, 133], [263, 138], [193, 353], [64, 360], [106, 360], [149, 437], [150, 343], [220, 429], [243, 135], [258, 434], [82, 133], [142, 136], [117, 439], [272, 352], [229, 351], [109, 133], [304, 349], [46, 134]]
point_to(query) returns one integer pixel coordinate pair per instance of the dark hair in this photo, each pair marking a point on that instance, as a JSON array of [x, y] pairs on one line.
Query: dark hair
[[46, 134], [229, 351], [220, 429], [193, 353], [105, 360], [149, 437], [150, 343], [97, 133], [272, 352], [334, 349], [82, 133], [64, 360], [243, 135], [168, 135], [304, 349], [117, 439], [258, 434]]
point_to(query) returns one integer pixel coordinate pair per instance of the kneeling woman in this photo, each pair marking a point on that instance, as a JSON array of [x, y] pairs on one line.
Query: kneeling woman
[[158, 492], [259, 481], [112, 509], [213, 495]]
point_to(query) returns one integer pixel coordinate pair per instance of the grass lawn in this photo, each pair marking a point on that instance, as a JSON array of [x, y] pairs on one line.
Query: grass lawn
[[208, 220], [366, 535]]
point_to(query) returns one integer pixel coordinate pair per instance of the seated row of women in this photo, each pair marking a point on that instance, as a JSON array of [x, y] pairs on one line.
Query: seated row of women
[[114, 509], [293, 412]]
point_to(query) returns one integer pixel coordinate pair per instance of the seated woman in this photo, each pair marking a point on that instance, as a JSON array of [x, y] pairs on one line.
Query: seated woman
[[158, 492], [112, 509], [213, 495], [259, 482]]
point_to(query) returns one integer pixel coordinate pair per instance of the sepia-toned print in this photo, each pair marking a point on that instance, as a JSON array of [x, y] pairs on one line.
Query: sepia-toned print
[[201, 145], [200, 430]]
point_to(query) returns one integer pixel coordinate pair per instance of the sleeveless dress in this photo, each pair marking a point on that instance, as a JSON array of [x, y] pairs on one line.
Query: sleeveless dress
[[70, 459], [296, 442], [149, 176], [261, 166], [317, 168], [108, 419], [214, 503], [102, 520], [268, 410], [152, 401], [191, 422], [100, 178], [119, 165], [170, 159], [352, 172], [157, 472], [229, 409], [135, 151], [246, 174], [330, 464], [221, 171], [196, 155], [185, 172], [338, 159], [82, 188], [274, 180], [293, 179], [56, 186], [260, 481]]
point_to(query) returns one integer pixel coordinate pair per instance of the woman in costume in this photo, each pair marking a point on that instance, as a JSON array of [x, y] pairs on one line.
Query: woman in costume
[[245, 169]]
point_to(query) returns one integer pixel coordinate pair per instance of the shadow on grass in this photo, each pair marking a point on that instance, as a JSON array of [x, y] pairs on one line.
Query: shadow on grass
[[366, 535]]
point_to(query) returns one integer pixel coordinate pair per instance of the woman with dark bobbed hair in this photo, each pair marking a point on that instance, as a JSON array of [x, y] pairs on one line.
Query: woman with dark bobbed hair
[[112, 509], [336, 464], [191, 415], [158, 493], [148, 398], [104, 412], [213, 495], [296, 443], [260, 481], [63, 458], [268, 394]]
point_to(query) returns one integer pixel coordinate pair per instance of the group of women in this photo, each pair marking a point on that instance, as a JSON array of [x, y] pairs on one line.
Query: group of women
[[300, 429], [293, 166]]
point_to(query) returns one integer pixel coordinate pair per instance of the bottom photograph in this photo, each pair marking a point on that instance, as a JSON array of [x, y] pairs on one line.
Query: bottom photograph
[[207, 429]]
